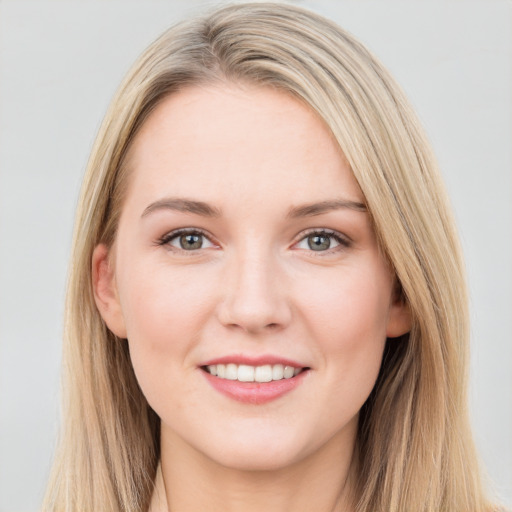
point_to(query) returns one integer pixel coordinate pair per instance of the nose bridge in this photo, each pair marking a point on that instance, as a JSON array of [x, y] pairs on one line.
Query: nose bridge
[[254, 297]]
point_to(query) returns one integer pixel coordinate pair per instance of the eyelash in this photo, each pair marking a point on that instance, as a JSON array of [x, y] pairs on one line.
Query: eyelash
[[169, 237], [342, 241]]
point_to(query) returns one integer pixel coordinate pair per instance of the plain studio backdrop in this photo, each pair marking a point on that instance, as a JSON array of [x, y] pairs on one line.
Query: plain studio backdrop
[[60, 62]]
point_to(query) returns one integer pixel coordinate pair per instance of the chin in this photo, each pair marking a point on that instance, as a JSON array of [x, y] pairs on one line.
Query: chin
[[250, 460], [267, 452]]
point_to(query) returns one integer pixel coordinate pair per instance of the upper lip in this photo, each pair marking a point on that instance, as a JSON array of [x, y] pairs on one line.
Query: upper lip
[[253, 360]]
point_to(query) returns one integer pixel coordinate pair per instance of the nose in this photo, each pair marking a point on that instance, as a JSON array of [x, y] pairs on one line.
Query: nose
[[254, 296]]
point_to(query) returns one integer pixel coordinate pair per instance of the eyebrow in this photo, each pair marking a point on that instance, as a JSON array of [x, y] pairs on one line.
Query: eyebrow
[[182, 205], [206, 210], [312, 209]]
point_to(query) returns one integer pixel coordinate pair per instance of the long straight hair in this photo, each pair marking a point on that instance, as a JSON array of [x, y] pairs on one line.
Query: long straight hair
[[414, 443]]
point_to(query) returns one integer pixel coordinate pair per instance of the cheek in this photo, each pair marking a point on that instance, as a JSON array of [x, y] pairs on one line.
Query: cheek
[[164, 311], [349, 319], [350, 308], [160, 302]]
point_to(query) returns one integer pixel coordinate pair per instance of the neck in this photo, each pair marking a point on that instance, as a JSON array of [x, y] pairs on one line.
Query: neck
[[321, 482]]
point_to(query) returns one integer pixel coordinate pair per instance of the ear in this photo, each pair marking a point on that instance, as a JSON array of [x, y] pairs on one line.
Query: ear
[[105, 291], [399, 319]]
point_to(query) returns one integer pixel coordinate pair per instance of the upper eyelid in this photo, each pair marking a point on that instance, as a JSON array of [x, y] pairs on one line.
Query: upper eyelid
[[343, 242], [299, 237], [324, 231], [176, 232]]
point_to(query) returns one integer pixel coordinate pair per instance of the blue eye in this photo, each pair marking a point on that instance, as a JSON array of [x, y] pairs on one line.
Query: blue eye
[[186, 240], [189, 241], [319, 241]]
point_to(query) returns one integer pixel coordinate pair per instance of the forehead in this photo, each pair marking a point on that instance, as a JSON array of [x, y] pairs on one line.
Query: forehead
[[215, 142]]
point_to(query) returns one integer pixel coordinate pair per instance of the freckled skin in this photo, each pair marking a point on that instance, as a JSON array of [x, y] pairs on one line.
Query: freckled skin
[[255, 287]]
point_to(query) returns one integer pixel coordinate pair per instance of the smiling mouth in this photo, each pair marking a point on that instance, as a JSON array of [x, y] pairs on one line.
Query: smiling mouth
[[247, 373]]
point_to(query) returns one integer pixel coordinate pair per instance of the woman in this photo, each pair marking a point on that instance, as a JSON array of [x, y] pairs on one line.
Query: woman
[[267, 307]]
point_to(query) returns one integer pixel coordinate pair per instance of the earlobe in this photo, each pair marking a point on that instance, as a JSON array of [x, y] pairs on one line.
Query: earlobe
[[105, 291], [399, 319]]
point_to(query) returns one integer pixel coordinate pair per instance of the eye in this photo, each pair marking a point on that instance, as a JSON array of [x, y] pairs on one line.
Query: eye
[[187, 240], [320, 241]]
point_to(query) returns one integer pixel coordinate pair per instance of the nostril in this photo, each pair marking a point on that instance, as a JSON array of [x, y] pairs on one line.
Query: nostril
[[253, 309]]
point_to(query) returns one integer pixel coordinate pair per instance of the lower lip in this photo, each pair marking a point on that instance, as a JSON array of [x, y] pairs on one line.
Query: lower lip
[[254, 392]]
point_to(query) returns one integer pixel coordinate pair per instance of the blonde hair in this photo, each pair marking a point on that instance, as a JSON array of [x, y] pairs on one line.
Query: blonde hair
[[414, 443]]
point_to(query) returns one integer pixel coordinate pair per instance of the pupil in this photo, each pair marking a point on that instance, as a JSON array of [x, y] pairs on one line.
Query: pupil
[[319, 242], [189, 242]]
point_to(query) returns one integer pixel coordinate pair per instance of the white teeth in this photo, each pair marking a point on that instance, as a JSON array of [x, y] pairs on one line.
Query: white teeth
[[288, 372], [263, 373], [231, 371], [247, 373], [277, 371], [221, 371]]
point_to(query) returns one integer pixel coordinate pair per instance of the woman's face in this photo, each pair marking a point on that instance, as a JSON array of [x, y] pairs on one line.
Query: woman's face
[[244, 250]]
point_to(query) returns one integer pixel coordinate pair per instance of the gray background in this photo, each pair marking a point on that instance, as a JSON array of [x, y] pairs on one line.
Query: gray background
[[60, 62]]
